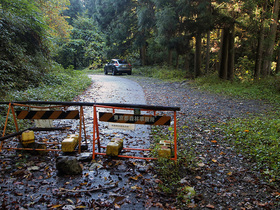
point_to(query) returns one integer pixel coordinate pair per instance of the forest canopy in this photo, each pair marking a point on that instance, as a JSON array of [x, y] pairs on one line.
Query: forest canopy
[[238, 39]]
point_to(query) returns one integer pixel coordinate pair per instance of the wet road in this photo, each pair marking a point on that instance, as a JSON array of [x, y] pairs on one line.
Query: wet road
[[32, 182], [115, 89]]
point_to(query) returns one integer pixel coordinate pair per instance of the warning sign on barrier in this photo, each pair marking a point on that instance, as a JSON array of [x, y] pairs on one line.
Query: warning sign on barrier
[[48, 114], [134, 119], [122, 126]]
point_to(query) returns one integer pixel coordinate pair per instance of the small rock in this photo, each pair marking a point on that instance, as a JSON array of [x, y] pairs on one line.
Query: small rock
[[142, 169], [33, 168], [68, 207], [95, 166], [87, 156], [184, 181], [68, 165]]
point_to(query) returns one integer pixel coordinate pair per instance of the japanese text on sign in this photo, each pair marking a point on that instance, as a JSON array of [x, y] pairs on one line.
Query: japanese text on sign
[[135, 119]]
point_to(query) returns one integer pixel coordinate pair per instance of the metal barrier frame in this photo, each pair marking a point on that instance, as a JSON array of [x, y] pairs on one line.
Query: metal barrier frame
[[11, 107], [96, 138]]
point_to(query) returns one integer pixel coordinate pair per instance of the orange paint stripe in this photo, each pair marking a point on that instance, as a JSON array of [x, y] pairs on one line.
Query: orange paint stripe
[[22, 114], [105, 117], [73, 114], [163, 120], [55, 115], [38, 115]]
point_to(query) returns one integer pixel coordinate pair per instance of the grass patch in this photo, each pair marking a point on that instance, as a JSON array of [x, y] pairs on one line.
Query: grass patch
[[93, 71], [170, 172], [257, 138], [160, 72], [267, 89]]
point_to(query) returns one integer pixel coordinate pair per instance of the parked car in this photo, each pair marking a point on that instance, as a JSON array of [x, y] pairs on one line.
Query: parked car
[[118, 66]]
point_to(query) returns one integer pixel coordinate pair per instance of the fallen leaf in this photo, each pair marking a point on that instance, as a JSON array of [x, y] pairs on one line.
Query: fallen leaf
[[159, 205], [210, 206], [214, 160], [191, 205], [70, 201], [136, 187], [56, 206], [117, 206], [158, 181], [136, 177], [201, 164]]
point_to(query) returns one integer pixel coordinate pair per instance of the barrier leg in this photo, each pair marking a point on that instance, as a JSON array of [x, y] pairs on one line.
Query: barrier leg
[[175, 136], [80, 129], [6, 122], [15, 120], [95, 133], [82, 113]]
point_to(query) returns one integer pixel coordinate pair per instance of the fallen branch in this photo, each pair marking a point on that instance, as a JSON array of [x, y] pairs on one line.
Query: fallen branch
[[62, 190]]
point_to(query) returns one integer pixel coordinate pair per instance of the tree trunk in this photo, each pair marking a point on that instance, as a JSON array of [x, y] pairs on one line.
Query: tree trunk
[[278, 62], [187, 62], [218, 61], [224, 54], [198, 55], [75, 61], [207, 53], [259, 58], [169, 57], [177, 60], [143, 55], [271, 40], [230, 70]]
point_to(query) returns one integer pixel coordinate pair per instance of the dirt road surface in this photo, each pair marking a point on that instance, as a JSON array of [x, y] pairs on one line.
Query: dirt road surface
[[224, 179]]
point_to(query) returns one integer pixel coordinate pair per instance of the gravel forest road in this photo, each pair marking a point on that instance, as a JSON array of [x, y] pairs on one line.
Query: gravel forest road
[[222, 179]]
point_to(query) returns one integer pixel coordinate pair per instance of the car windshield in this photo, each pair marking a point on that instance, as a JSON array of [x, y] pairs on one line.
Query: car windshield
[[122, 62]]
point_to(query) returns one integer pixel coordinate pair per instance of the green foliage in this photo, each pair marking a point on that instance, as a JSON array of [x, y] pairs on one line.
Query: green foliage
[[265, 89], [55, 86], [59, 85], [170, 172], [23, 55], [160, 72], [244, 69], [257, 138], [75, 9], [117, 20], [85, 47]]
